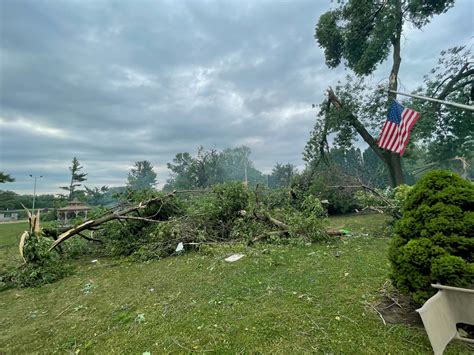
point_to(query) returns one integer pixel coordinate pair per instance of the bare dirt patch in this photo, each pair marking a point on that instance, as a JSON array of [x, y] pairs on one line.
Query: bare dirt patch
[[396, 308]]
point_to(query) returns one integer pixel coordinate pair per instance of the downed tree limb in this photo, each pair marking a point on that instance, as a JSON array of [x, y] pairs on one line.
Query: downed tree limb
[[139, 218], [266, 235], [267, 218], [90, 238], [23, 238], [334, 232], [283, 227], [115, 215], [374, 192], [124, 214]]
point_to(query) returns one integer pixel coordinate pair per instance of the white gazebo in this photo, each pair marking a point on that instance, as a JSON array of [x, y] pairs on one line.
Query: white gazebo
[[75, 209]]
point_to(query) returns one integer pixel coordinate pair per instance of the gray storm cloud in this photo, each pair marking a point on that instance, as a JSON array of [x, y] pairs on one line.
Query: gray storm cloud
[[115, 82]]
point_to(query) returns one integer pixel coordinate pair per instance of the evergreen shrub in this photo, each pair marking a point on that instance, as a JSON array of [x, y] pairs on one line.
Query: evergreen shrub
[[434, 240]]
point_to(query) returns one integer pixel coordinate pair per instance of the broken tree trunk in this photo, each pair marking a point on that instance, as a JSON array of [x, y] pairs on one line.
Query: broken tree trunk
[[392, 160], [283, 227], [116, 215], [267, 218]]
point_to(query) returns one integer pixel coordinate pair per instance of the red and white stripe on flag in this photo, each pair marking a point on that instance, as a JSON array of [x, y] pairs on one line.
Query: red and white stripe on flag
[[396, 129]]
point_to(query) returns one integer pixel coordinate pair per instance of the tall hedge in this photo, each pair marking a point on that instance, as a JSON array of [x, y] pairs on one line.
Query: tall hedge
[[434, 240]]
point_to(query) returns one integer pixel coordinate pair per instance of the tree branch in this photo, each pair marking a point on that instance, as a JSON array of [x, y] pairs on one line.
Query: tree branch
[[374, 192], [116, 215], [359, 127], [267, 218], [90, 238], [450, 86], [138, 219]]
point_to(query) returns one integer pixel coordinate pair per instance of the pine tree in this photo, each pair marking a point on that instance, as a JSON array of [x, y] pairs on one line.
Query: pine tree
[[76, 178]]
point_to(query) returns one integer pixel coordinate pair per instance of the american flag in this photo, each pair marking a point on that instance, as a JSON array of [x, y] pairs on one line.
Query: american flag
[[396, 129]]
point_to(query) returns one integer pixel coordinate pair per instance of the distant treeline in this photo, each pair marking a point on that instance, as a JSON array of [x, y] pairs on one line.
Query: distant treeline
[[10, 200]]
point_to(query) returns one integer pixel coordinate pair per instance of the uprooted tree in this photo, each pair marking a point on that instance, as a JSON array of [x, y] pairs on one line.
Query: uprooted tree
[[362, 33]]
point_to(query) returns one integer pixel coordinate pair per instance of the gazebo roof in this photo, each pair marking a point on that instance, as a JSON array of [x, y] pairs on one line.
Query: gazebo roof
[[74, 205]]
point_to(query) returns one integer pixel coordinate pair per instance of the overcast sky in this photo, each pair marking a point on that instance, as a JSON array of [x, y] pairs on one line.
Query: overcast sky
[[114, 82]]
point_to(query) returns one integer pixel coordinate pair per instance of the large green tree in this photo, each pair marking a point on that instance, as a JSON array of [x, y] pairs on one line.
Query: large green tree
[[446, 132], [97, 196], [76, 178], [200, 171], [281, 175], [238, 166], [361, 34], [141, 176], [210, 166]]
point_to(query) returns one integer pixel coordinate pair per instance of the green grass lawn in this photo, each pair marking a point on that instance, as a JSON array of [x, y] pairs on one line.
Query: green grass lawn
[[277, 299], [9, 238]]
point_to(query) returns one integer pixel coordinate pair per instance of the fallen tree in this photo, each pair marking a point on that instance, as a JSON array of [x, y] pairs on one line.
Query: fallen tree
[[224, 213], [152, 225], [121, 214]]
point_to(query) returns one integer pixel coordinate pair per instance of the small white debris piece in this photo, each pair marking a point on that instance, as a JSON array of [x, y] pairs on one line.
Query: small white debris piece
[[94, 261], [234, 257], [180, 247]]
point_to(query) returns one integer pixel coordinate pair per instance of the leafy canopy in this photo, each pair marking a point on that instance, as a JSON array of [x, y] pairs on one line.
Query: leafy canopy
[[445, 131], [210, 166], [281, 175], [360, 32], [141, 176]]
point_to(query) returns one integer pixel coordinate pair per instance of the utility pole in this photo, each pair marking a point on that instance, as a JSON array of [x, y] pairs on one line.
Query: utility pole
[[245, 172], [34, 191]]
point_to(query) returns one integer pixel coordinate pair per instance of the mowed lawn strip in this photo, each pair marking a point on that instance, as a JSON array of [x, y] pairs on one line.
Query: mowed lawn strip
[[277, 299], [10, 234]]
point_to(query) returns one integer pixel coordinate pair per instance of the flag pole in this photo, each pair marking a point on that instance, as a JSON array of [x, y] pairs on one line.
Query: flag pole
[[455, 104]]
